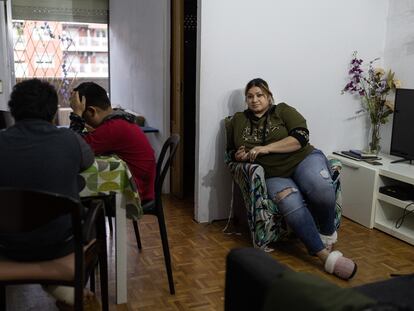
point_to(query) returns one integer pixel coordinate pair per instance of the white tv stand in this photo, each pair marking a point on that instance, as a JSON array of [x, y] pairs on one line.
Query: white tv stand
[[362, 201]]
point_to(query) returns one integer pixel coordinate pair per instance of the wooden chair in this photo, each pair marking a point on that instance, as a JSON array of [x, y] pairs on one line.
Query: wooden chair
[[155, 207], [23, 211]]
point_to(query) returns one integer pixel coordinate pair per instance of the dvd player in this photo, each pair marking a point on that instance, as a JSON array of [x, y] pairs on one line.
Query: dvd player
[[400, 192]]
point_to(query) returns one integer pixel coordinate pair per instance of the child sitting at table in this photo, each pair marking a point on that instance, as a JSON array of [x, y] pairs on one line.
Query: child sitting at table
[[114, 132], [36, 155]]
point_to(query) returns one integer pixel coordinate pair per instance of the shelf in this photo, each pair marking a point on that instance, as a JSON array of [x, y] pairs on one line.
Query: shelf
[[149, 129], [363, 203], [393, 201], [387, 213], [403, 233], [399, 171]]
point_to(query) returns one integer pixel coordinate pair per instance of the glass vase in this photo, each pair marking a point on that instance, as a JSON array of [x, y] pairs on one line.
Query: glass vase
[[374, 138]]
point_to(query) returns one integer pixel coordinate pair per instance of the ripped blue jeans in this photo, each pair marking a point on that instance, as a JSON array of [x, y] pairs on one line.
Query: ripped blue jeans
[[308, 196]]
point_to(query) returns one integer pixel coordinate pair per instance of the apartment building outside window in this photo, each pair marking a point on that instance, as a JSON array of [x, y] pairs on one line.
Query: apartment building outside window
[[63, 42]]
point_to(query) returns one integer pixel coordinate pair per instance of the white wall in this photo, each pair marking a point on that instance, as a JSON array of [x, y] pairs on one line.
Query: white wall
[[139, 61], [302, 48], [399, 52], [399, 48]]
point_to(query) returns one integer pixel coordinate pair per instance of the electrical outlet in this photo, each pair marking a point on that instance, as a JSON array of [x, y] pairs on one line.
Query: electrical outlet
[[1, 87]]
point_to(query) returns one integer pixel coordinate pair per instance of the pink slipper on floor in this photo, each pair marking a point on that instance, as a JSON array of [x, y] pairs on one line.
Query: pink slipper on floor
[[340, 266]]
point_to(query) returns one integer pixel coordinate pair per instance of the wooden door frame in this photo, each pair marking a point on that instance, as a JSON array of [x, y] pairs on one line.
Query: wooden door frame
[[177, 95]]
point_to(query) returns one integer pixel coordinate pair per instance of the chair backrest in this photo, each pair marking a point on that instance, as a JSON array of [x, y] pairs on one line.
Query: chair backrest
[[6, 119], [163, 164], [24, 210]]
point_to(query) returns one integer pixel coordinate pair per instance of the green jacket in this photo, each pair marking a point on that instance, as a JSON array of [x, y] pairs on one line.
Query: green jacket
[[244, 129]]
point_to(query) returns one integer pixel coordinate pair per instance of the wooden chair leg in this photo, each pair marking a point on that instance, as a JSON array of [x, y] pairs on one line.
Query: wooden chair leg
[[109, 204], [166, 249], [79, 296], [103, 267], [103, 271], [137, 236], [92, 280], [111, 229], [2, 298]]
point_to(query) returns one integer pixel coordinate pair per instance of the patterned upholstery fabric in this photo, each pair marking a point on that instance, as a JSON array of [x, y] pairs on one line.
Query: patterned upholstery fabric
[[265, 221]]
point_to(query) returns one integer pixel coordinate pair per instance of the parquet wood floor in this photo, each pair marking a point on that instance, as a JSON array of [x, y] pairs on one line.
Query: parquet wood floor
[[198, 256]]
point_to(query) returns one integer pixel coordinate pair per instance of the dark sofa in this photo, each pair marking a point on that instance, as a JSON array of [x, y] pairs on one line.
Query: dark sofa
[[253, 279]]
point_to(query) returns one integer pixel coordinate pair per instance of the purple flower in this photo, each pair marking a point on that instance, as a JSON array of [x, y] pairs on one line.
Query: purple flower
[[371, 86], [356, 61]]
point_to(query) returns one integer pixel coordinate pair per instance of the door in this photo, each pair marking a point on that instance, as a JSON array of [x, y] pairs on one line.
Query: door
[[183, 94], [177, 91]]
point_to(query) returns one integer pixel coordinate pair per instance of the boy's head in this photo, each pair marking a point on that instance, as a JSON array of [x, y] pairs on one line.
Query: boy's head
[[33, 99], [97, 102], [95, 95]]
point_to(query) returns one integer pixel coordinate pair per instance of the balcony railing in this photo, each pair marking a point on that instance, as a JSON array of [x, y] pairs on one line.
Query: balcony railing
[[88, 70], [94, 44]]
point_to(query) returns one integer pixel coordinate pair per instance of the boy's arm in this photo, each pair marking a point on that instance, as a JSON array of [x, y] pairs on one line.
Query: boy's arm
[[100, 140]]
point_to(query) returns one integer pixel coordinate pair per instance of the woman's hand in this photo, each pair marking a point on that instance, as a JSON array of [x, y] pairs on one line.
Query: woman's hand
[[241, 155], [78, 105], [256, 151]]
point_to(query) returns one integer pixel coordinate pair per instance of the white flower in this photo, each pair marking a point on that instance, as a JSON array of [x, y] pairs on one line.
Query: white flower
[[389, 104], [379, 71], [397, 83]]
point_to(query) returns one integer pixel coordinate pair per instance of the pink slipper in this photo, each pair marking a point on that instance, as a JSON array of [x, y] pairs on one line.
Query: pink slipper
[[340, 266]]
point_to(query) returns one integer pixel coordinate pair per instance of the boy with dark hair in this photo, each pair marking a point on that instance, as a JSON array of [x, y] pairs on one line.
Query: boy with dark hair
[[36, 155], [116, 132], [33, 99], [96, 94]]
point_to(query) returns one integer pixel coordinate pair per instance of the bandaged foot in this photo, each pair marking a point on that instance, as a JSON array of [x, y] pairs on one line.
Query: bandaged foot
[[329, 240]]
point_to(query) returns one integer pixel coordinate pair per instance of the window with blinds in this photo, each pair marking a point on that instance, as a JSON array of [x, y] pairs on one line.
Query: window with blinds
[[80, 11], [64, 42]]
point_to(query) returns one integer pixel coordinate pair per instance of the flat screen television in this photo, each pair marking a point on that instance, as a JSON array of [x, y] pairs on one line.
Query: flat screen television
[[402, 137]]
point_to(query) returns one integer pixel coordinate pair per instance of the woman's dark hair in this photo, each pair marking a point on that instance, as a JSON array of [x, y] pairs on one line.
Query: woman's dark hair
[[95, 95], [33, 99], [262, 84]]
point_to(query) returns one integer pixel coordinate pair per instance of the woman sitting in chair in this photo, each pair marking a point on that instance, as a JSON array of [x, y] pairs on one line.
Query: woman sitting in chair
[[298, 177]]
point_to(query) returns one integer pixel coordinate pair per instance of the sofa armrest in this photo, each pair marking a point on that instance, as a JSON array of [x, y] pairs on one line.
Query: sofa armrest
[[256, 281], [250, 273], [264, 218], [247, 176], [397, 290]]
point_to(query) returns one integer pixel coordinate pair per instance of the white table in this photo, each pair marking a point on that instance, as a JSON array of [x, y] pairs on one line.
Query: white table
[[111, 175]]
